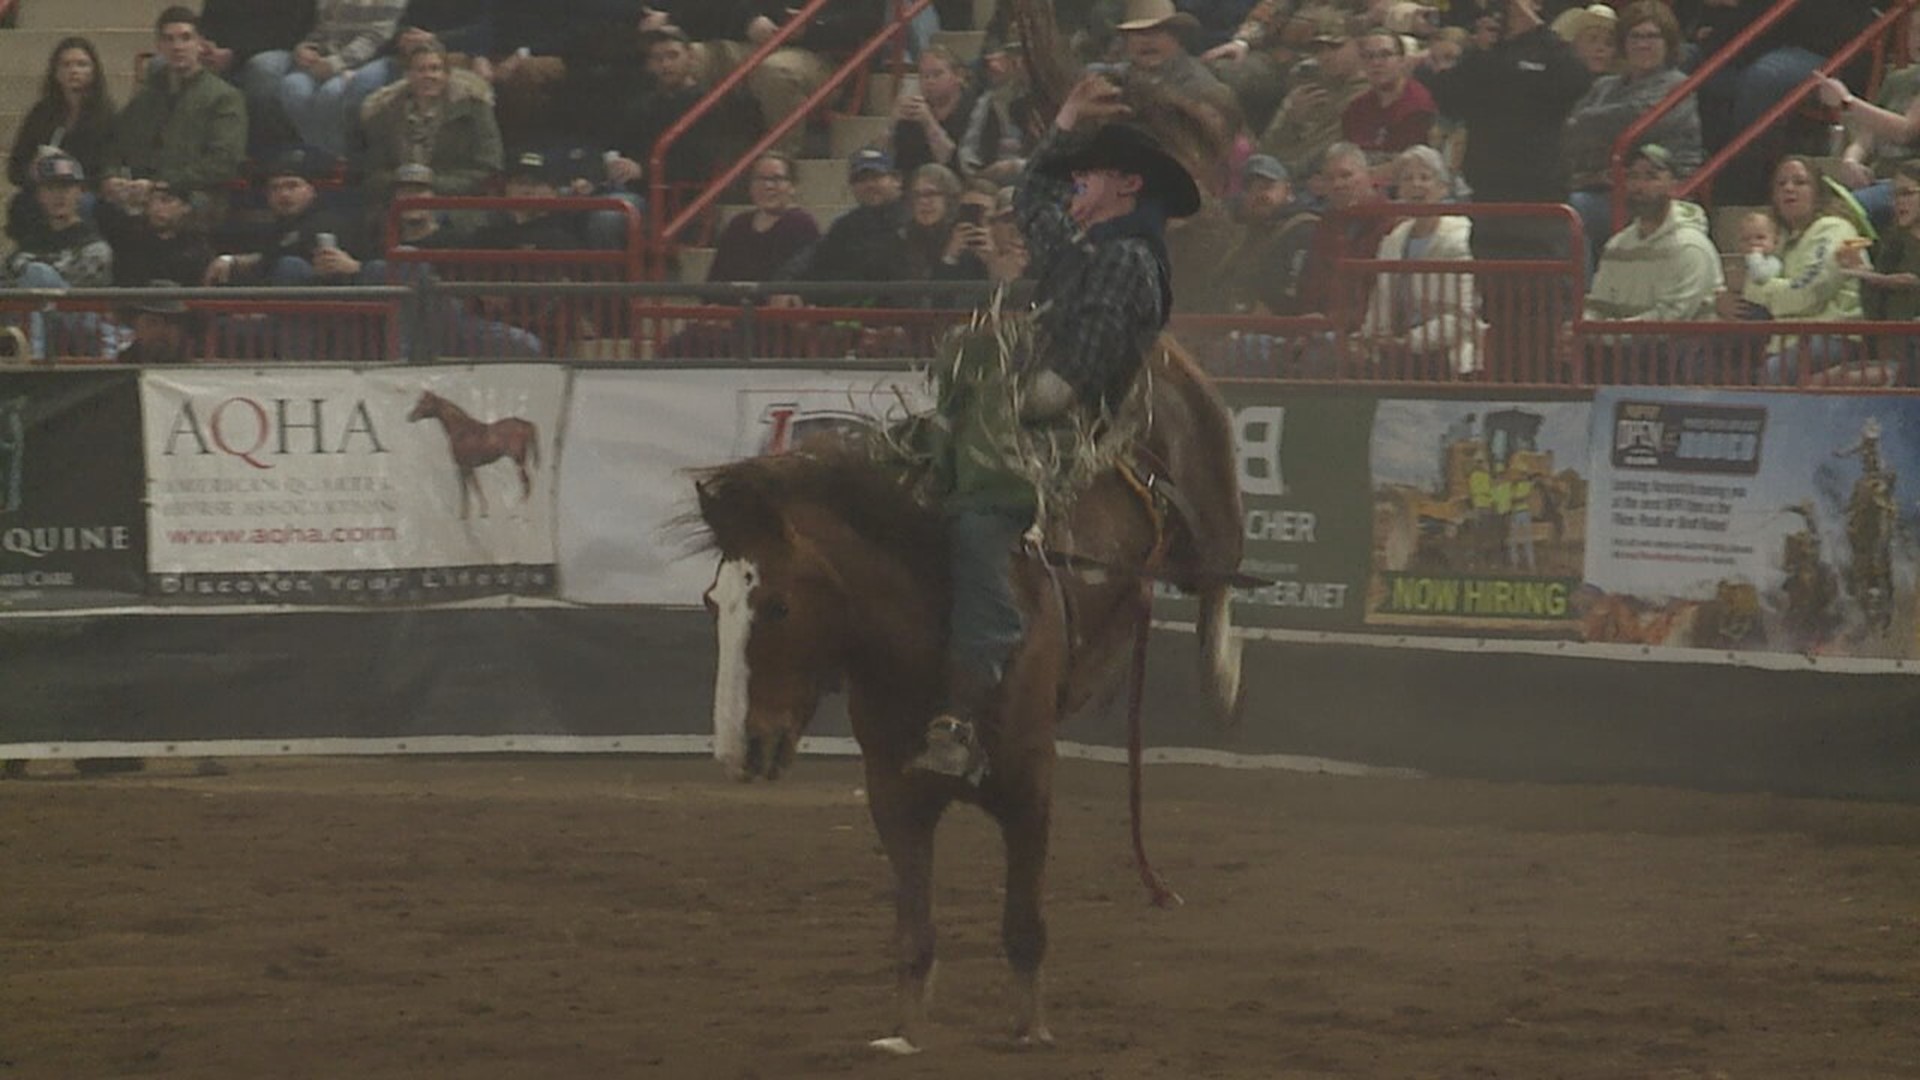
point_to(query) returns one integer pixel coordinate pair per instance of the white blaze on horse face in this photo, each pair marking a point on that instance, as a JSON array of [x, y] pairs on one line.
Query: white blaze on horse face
[[733, 626]]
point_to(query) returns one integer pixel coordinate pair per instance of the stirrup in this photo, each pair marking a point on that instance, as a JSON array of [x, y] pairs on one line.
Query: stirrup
[[953, 749]]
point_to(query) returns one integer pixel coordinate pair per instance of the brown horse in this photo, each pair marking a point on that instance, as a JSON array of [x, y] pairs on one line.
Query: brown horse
[[831, 574], [474, 443]]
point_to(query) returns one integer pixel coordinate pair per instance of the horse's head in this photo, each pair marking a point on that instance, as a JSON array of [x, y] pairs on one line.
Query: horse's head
[[428, 405], [780, 618]]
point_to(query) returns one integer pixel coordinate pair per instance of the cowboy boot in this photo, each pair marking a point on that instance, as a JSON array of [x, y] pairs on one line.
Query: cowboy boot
[[953, 737]]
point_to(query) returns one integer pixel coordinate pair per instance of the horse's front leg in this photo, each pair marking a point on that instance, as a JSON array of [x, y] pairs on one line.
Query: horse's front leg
[[905, 812], [1024, 809]]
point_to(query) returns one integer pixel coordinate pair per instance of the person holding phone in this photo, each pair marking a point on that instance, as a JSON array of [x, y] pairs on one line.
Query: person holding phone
[[930, 113]]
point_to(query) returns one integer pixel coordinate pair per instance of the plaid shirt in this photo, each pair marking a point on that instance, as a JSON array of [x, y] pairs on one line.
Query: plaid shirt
[[1098, 307]]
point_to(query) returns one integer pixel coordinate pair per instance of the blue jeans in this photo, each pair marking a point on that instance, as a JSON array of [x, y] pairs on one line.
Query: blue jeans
[[985, 625], [1595, 208], [1734, 97], [1877, 200], [1822, 351], [323, 114], [66, 333]]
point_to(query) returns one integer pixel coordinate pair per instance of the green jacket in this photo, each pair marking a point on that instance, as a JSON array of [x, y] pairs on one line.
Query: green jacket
[[466, 144], [195, 136]]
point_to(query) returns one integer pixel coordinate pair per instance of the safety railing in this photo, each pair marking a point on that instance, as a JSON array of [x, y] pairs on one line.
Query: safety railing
[[1802, 354], [95, 326], [668, 229]]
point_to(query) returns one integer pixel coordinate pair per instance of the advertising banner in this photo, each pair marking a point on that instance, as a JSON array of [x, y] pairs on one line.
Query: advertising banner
[[632, 436], [330, 486], [1302, 464], [71, 528], [1479, 515], [1750, 521]]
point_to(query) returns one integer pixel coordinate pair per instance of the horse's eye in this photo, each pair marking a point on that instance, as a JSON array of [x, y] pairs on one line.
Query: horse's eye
[[774, 609]]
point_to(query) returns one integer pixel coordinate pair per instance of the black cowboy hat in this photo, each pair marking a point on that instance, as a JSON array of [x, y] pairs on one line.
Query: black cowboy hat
[[1129, 149]]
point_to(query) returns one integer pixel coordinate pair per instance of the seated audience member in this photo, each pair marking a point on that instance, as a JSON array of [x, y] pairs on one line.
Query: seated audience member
[[862, 244], [930, 113], [1650, 38], [792, 74], [1255, 61], [1661, 268], [999, 135], [73, 114], [155, 238], [63, 251], [235, 31], [1265, 271], [160, 329], [1884, 134], [1421, 322], [758, 242], [1592, 31], [303, 243], [417, 227], [435, 117], [1443, 53], [1815, 228], [1348, 184], [1007, 260], [1309, 118], [530, 176], [1891, 285], [715, 141], [185, 125], [319, 84], [1150, 36], [455, 328], [1396, 112], [464, 27], [937, 246]]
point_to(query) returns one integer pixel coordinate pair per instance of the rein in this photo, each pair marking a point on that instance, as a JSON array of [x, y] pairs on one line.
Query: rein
[[1157, 888]]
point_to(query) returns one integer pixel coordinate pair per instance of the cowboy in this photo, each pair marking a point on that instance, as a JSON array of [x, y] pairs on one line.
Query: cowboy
[[1093, 210]]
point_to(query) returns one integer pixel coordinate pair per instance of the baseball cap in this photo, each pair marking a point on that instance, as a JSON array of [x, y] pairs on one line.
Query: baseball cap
[[299, 161], [1266, 167], [530, 165], [58, 168], [1658, 155], [413, 173], [664, 33], [869, 159]]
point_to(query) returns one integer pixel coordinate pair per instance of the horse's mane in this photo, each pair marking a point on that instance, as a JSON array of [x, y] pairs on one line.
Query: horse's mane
[[835, 473]]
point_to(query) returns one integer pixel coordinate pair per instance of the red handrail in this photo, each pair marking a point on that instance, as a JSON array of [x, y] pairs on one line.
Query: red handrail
[[665, 229], [1628, 139], [631, 257]]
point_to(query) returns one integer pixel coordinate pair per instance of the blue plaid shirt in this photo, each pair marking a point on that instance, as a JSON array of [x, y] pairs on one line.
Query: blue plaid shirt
[[1098, 304]]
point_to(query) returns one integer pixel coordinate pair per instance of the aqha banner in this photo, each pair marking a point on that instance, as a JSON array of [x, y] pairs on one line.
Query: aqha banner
[[328, 486]]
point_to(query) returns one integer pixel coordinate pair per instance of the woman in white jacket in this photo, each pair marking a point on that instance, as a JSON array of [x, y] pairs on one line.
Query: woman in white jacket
[[1417, 321]]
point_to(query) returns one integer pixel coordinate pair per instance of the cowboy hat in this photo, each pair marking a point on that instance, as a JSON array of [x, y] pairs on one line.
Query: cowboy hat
[[1126, 148], [1576, 21], [1153, 14]]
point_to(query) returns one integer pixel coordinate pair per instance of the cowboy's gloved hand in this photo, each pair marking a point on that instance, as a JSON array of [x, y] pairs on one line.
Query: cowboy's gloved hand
[[1045, 396]]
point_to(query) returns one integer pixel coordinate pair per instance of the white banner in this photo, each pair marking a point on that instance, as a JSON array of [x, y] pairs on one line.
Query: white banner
[[631, 436], [339, 486]]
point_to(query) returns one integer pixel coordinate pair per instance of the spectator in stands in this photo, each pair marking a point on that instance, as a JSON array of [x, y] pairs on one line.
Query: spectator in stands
[[757, 243], [417, 227], [1650, 38], [1348, 185], [1884, 133], [1309, 118], [1265, 270], [930, 113], [74, 114], [530, 176], [1811, 286], [715, 141], [1593, 32], [787, 77], [235, 31], [436, 117], [1396, 112], [1422, 323], [1514, 98], [1443, 53], [159, 328], [1892, 283], [999, 135], [1662, 267], [184, 125], [936, 244], [1150, 32], [1256, 60], [319, 84], [464, 27], [862, 244], [1007, 261], [304, 243], [66, 251], [158, 237]]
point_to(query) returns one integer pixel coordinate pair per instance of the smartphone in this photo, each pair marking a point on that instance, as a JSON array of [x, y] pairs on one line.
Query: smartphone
[[1307, 69], [972, 214], [910, 84], [326, 240]]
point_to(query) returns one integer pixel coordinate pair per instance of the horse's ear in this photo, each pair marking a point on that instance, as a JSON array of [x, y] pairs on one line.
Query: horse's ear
[[736, 510]]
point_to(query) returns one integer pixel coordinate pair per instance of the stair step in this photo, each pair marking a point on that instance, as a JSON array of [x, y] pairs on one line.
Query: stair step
[[850, 133], [92, 15], [820, 180]]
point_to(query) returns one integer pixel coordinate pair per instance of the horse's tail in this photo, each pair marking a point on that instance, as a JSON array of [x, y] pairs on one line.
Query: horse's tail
[[1220, 653]]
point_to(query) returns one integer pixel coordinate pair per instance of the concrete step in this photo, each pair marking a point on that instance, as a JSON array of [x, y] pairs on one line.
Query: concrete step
[[850, 133], [965, 44], [820, 180], [88, 16]]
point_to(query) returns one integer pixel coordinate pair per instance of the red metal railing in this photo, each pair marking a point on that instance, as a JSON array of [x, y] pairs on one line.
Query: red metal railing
[[666, 230], [252, 326], [1629, 138]]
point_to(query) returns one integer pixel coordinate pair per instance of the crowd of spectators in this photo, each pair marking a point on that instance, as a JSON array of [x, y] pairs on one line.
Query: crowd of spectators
[[266, 138]]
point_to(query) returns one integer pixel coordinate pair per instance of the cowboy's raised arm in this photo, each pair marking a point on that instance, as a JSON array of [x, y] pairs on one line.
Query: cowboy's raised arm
[[1040, 198]]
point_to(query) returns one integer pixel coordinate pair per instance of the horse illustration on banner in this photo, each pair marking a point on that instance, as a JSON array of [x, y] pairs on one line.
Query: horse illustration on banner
[[474, 443]]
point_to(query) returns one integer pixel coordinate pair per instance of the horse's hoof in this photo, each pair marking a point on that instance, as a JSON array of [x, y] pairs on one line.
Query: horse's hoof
[[897, 1045]]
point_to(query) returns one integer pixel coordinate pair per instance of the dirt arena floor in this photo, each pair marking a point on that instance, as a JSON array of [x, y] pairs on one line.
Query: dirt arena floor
[[601, 918]]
